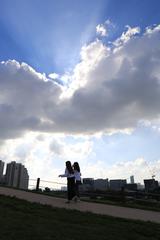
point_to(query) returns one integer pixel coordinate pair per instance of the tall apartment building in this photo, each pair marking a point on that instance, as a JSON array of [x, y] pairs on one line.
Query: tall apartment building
[[132, 179], [23, 178], [1, 170], [16, 175]]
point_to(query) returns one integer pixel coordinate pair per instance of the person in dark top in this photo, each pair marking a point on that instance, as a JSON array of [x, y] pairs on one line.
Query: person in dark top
[[69, 174]]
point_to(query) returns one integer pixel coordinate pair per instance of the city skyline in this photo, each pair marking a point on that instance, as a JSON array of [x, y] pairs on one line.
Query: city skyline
[[80, 81], [15, 175]]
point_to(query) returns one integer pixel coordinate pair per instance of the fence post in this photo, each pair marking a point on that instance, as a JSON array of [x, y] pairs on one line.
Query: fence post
[[37, 185]]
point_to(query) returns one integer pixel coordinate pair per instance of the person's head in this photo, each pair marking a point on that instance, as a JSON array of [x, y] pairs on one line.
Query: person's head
[[76, 166], [69, 167]]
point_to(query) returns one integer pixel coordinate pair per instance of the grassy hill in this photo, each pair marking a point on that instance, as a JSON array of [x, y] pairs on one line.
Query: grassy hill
[[21, 220]]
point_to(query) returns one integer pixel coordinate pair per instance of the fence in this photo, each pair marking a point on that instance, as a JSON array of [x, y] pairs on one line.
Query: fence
[[43, 184]]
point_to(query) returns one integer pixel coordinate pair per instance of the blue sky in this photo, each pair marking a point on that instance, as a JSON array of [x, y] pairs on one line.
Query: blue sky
[[48, 35], [105, 112]]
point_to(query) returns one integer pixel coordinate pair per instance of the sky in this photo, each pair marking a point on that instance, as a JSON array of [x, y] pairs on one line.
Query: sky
[[80, 81]]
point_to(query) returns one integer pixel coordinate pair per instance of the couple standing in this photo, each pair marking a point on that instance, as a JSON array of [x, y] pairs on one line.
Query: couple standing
[[73, 175]]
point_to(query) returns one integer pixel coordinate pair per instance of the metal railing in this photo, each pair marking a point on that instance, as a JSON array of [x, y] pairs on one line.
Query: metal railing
[[38, 184]]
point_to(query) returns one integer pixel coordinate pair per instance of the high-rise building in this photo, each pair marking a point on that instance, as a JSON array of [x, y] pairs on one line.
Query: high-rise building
[[132, 179], [16, 175], [10, 172], [23, 178], [1, 170]]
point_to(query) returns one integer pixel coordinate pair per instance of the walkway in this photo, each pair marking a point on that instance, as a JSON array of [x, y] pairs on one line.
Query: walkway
[[115, 211]]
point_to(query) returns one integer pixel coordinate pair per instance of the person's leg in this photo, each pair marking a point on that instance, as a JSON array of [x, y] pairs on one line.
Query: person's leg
[[69, 189], [73, 188], [76, 188]]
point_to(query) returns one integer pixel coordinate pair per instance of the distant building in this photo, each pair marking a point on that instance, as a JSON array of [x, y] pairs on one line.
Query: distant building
[[101, 184], [16, 175], [63, 188], [117, 184], [132, 179], [10, 174], [150, 184], [23, 178], [140, 186], [131, 186], [88, 184], [1, 171]]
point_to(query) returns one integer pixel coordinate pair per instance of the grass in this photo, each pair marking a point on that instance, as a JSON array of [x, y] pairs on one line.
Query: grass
[[21, 220]]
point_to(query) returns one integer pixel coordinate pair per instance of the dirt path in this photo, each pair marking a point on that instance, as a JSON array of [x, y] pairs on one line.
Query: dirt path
[[116, 211]]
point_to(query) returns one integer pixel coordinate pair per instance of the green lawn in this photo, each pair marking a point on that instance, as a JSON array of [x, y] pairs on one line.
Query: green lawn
[[21, 220]]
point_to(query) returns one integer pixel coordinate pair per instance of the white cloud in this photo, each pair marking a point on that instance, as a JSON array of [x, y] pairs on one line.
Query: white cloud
[[152, 29], [91, 55], [25, 94], [108, 91], [101, 30], [104, 29], [117, 89], [53, 75], [76, 151], [126, 36]]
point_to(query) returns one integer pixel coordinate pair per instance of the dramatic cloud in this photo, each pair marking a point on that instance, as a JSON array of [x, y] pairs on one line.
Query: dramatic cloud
[[118, 88], [25, 95], [111, 89]]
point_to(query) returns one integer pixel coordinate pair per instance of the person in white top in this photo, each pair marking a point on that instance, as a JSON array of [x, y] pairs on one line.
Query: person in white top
[[78, 181], [69, 174]]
